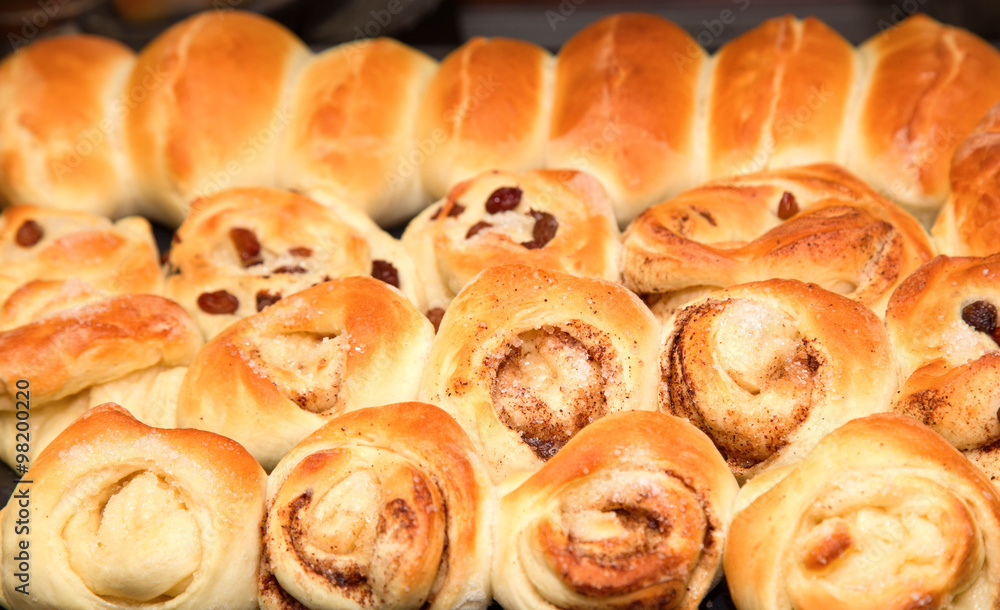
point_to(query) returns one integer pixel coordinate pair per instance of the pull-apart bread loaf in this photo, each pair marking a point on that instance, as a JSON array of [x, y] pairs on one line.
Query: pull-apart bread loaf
[[386, 507], [122, 515], [943, 325], [816, 223], [631, 513], [128, 348], [270, 379], [245, 249], [766, 369], [526, 357], [558, 220], [882, 515]]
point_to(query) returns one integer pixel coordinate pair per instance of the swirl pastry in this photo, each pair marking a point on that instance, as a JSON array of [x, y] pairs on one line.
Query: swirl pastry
[[62, 101], [386, 507], [942, 322], [816, 223], [127, 516], [351, 137], [766, 369], [559, 220], [526, 357], [245, 249], [39, 243], [926, 87], [883, 514], [969, 223], [117, 346], [627, 92], [210, 105], [271, 379], [631, 513]]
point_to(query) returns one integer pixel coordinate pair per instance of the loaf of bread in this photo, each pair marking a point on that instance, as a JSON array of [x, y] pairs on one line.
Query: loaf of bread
[[386, 507], [883, 513], [271, 379], [228, 98], [122, 515]]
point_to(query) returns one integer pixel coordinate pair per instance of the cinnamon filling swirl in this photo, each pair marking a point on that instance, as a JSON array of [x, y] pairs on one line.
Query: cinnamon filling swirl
[[549, 385], [308, 368]]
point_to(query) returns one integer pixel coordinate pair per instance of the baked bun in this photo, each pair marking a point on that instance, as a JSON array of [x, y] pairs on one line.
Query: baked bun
[[626, 109], [124, 516], [969, 223], [386, 507], [779, 97], [766, 369], [631, 512], [62, 101], [210, 107], [556, 219], [352, 132], [526, 357], [271, 379], [40, 243], [487, 107], [244, 249], [942, 322], [816, 223], [927, 86], [64, 356], [883, 514]]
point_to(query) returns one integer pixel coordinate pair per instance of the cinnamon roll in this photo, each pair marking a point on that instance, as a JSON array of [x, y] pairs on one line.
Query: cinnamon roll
[[942, 323], [768, 368], [126, 516], [109, 348], [556, 219], [386, 507], [244, 249], [38, 243], [816, 223], [883, 514], [526, 357], [271, 379], [631, 513]]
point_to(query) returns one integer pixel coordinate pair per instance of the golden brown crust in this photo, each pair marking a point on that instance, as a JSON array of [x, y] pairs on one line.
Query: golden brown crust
[[938, 321], [273, 378], [38, 243], [928, 85], [73, 349], [555, 219], [121, 514], [526, 357], [779, 97], [210, 107], [352, 130], [882, 514], [625, 109], [768, 368], [632, 512], [244, 249], [969, 223], [60, 125], [832, 230], [487, 107], [414, 515]]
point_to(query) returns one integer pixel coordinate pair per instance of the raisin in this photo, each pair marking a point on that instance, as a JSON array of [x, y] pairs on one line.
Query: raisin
[[29, 234], [289, 269], [504, 199], [301, 251], [453, 212], [246, 245], [788, 206], [385, 271], [476, 228], [544, 231], [435, 315], [982, 316], [266, 299], [218, 302]]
